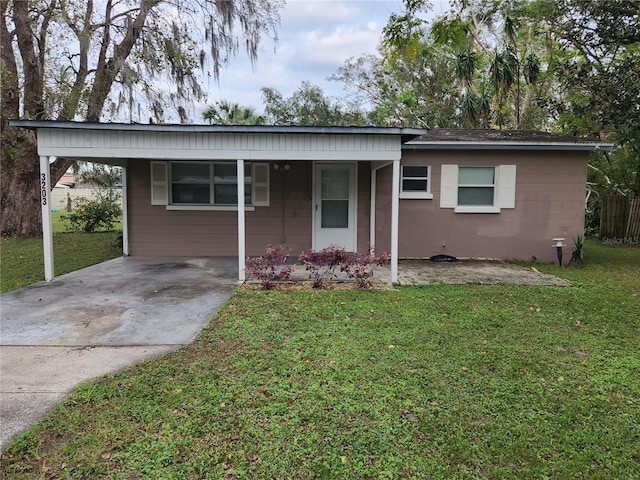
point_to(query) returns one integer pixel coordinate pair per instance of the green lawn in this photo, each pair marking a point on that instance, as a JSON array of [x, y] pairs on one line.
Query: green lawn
[[22, 260], [430, 382]]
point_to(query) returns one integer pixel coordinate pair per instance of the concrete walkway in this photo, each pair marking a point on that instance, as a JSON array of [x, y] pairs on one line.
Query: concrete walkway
[[54, 336]]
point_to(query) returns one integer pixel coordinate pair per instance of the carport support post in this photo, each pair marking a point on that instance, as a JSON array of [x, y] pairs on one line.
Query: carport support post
[[47, 230], [241, 230], [125, 214], [395, 204]]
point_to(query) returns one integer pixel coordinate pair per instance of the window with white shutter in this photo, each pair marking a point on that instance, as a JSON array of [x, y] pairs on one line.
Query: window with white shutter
[[474, 189], [207, 185]]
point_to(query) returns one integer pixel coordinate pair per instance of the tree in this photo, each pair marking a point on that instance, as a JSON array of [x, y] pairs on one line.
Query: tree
[[224, 112], [101, 176], [503, 62], [89, 59], [409, 82], [309, 105], [599, 83]]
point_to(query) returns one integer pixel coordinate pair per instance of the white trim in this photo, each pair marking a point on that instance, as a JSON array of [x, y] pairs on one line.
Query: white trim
[[241, 223], [477, 209], [448, 186], [188, 145], [495, 145], [125, 214], [159, 186], [504, 190], [375, 166], [47, 229], [256, 184], [372, 209], [395, 208], [353, 201], [215, 208], [416, 196], [506, 186]]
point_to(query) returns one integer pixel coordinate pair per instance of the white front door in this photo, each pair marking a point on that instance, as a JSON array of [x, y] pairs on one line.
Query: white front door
[[335, 206]]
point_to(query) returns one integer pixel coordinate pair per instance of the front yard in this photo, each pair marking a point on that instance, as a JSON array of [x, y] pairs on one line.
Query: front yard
[[442, 381], [22, 259]]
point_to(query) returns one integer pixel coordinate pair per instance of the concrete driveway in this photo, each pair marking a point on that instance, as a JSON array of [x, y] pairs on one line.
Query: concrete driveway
[[54, 336]]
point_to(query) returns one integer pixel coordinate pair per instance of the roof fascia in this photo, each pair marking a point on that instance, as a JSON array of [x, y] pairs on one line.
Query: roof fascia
[[508, 146], [406, 133]]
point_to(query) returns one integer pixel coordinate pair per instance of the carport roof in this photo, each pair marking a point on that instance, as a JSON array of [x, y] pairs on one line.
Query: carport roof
[[405, 133]]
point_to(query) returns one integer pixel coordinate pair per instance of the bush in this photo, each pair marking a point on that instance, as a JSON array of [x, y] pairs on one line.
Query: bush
[[269, 268], [93, 215], [322, 265], [360, 267]]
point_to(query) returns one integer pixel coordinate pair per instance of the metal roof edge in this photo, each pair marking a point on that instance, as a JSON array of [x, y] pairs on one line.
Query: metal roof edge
[[202, 128], [489, 145]]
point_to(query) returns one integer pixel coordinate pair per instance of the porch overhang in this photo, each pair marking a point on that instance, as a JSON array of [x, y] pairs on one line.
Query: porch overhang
[[119, 144]]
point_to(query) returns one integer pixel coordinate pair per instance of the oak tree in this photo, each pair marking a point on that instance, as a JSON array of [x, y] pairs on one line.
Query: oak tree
[[94, 60]]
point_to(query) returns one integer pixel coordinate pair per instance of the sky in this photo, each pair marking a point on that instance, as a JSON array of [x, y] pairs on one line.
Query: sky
[[316, 37]]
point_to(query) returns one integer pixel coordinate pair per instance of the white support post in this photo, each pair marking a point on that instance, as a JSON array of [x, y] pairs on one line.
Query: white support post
[[125, 214], [395, 204], [47, 230], [241, 226], [372, 210]]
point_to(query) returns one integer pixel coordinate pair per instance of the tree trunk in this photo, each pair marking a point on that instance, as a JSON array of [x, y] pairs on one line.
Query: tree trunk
[[20, 195], [20, 210]]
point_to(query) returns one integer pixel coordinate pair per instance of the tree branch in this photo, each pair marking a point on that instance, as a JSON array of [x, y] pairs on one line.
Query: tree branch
[[33, 75]]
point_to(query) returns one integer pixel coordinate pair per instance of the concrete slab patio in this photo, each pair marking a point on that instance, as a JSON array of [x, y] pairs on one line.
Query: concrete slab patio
[[54, 336]]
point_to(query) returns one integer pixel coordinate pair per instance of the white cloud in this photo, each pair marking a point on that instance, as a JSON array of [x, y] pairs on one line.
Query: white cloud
[[316, 37]]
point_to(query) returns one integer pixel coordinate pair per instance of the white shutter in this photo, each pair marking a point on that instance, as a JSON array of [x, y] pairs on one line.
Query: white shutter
[[448, 186], [506, 186], [260, 185], [159, 183]]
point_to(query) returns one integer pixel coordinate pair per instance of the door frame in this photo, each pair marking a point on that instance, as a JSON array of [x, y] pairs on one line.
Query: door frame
[[353, 200]]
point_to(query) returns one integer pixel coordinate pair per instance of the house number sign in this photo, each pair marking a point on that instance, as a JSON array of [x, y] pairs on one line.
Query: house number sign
[[43, 185]]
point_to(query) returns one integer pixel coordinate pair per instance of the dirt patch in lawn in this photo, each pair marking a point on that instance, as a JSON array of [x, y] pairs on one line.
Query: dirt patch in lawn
[[421, 272]]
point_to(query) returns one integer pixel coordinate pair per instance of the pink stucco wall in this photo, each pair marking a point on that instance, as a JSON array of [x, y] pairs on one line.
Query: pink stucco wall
[[550, 193], [153, 230]]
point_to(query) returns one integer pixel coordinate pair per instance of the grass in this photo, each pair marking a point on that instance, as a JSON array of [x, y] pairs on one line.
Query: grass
[[22, 260], [437, 382]]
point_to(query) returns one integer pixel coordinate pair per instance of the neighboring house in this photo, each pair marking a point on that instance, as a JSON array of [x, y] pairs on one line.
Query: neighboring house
[[70, 188], [414, 193]]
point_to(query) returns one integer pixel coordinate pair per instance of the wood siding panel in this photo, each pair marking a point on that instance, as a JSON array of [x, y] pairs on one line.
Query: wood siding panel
[[109, 144]]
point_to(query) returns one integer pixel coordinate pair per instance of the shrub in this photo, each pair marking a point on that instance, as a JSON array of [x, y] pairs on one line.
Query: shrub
[[322, 265], [269, 268], [92, 215], [360, 267]]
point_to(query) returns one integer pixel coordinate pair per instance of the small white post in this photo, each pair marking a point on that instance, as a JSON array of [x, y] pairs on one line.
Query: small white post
[[372, 210], [125, 214], [47, 230], [241, 226], [395, 204]]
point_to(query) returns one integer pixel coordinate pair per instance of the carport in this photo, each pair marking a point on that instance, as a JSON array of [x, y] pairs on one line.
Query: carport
[[336, 153]]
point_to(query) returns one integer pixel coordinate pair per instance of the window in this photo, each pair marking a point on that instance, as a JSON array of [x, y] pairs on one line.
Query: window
[[207, 185], [476, 186], [478, 189], [415, 182]]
